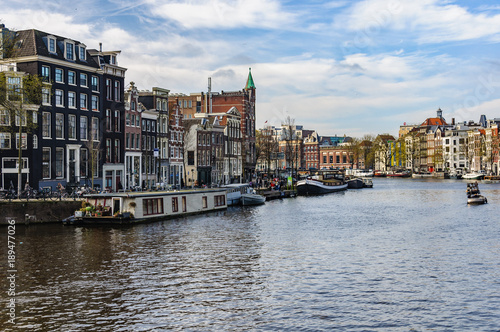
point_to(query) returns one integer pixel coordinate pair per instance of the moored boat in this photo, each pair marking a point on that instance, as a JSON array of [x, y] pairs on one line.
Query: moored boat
[[252, 199], [322, 182], [355, 183], [363, 173], [473, 176], [367, 183], [141, 206], [380, 174], [398, 174], [234, 192]]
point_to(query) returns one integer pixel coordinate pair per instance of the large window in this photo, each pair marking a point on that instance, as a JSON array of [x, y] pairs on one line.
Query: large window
[[94, 83], [59, 75], [117, 91], [108, 120], [59, 125], [52, 45], [117, 121], [95, 103], [117, 150], [109, 89], [46, 163], [175, 204], [4, 118], [4, 140], [24, 141], [72, 99], [108, 150], [70, 51], [95, 129], [220, 200], [59, 162], [83, 128], [84, 162], [46, 73], [45, 96], [152, 206], [83, 101], [72, 126], [71, 77], [46, 125], [59, 98], [83, 80]]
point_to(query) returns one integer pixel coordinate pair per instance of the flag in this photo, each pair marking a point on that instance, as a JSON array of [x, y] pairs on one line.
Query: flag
[[265, 122]]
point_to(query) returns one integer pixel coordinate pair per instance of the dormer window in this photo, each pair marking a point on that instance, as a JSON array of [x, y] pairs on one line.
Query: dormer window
[[113, 60], [82, 52], [69, 51], [52, 44]]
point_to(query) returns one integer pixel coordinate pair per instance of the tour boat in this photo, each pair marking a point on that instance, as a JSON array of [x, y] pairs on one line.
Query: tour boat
[[474, 195], [133, 207], [323, 182]]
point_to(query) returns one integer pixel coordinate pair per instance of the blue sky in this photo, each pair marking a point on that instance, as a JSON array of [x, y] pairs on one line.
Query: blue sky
[[339, 67]]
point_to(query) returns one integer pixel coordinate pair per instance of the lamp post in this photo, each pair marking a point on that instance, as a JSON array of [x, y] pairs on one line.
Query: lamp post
[[192, 178]]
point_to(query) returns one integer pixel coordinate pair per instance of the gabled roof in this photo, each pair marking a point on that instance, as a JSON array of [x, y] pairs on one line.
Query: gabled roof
[[434, 122]]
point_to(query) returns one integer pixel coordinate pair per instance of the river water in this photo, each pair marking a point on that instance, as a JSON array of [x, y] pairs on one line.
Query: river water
[[406, 255]]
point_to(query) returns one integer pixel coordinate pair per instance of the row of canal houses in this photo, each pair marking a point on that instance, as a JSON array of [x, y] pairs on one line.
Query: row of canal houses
[[431, 146], [94, 128]]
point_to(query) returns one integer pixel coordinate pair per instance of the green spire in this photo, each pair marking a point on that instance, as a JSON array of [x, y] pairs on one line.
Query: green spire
[[250, 84]]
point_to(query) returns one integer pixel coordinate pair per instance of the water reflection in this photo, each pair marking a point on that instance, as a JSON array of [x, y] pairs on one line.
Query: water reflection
[[404, 255]]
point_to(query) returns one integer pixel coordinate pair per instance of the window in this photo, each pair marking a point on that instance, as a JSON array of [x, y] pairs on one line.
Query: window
[[108, 120], [112, 60], [108, 150], [59, 75], [117, 91], [175, 204], [108, 89], [204, 202], [4, 118], [14, 88], [46, 129], [152, 206], [95, 129], [83, 101], [35, 142], [83, 53], [83, 128], [84, 160], [95, 103], [52, 45], [59, 162], [127, 141], [137, 141], [83, 80], [21, 120], [133, 120], [137, 121], [45, 74], [71, 77], [72, 126], [59, 125], [132, 141], [95, 83], [117, 121], [127, 120], [70, 51], [143, 125], [4, 140], [71, 99], [117, 150], [219, 200], [59, 98], [45, 96], [46, 163]]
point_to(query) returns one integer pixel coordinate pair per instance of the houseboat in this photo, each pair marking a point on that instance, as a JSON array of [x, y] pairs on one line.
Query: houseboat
[[133, 207], [234, 192], [322, 182]]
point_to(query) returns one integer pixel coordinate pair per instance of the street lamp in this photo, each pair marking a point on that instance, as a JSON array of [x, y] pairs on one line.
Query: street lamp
[[192, 178]]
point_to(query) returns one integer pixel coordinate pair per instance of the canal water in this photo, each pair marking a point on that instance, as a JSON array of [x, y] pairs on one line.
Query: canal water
[[406, 255]]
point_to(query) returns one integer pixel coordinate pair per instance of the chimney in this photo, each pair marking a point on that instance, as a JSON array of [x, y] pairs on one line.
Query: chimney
[[452, 121], [100, 47]]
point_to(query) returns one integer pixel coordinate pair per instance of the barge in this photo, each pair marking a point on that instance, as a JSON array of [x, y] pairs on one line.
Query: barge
[[143, 206]]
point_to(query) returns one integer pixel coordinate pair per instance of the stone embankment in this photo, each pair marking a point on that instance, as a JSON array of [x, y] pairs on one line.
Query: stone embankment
[[37, 211]]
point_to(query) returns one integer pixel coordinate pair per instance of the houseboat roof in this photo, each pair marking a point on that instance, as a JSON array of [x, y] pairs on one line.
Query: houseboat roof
[[134, 194]]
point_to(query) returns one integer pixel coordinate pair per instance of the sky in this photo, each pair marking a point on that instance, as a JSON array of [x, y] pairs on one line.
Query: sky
[[350, 68]]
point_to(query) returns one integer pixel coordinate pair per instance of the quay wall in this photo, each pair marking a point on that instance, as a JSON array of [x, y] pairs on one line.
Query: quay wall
[[34, 211]]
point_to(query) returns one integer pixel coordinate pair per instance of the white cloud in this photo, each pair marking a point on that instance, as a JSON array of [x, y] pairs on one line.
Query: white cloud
[[223, 14]]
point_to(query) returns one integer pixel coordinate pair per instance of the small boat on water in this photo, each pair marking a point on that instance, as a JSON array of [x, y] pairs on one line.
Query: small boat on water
[[252, 199], [473, 176], [367, 183], [474, 195], [379, 174], [234, 192], [322, 182], [399, 174], [363, 173], [355, 183], [491, 179]]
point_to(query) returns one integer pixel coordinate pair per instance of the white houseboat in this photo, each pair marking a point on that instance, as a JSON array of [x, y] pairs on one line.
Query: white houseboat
[[132, 207]]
